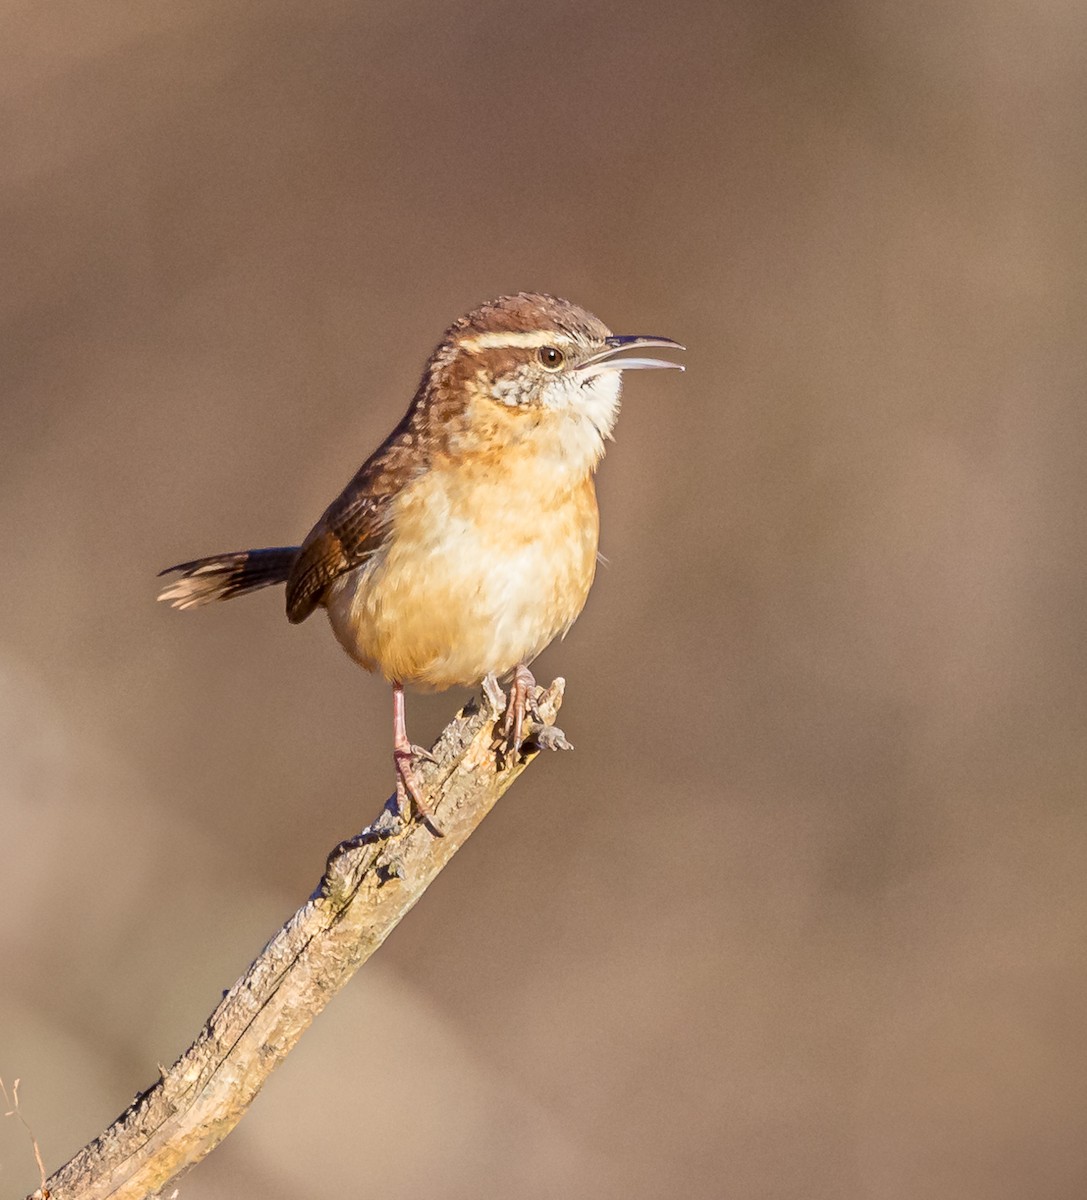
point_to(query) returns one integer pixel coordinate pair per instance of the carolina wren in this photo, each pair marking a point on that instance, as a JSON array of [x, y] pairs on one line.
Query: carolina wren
[[468, 540]]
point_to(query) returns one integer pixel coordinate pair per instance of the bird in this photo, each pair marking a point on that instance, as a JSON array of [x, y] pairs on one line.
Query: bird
[[467, 542]]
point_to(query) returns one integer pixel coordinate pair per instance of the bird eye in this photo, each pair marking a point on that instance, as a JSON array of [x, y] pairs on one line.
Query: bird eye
[[551, 358]]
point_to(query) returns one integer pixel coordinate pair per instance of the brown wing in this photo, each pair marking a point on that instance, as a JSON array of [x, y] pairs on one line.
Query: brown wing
[[354, 525]]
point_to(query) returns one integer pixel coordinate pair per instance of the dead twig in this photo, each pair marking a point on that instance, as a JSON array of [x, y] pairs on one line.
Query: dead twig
[[13, 1110], [369, 883]]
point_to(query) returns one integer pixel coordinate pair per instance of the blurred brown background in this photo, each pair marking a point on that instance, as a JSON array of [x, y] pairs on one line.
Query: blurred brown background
[[806, 913]]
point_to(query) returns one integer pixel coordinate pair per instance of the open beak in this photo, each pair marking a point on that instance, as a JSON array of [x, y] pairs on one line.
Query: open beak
[[609, 360]]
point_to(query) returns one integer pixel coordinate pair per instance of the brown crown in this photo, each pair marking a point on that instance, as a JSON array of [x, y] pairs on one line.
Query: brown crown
[[527, 312]]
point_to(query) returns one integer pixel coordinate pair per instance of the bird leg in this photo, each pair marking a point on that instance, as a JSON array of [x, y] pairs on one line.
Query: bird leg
[[408, 792]]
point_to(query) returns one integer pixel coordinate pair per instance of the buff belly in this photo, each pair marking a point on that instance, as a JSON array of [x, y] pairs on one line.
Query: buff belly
[[468, 584]]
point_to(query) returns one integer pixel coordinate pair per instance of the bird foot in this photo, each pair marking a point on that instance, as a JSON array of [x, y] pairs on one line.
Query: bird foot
[[408, 792], [523, 702]]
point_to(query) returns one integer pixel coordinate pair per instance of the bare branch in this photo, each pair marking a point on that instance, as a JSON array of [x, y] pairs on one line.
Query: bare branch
[[15, 1111], [369, 884]]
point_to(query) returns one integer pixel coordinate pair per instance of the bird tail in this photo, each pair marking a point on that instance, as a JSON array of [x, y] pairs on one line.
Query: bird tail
[[224, 576]]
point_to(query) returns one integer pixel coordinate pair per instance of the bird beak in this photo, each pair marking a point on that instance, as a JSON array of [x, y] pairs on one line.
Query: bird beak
[[608, 360]]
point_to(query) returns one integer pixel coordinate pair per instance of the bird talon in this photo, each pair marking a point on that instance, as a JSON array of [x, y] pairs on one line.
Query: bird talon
[[522, 696], [408, 794]]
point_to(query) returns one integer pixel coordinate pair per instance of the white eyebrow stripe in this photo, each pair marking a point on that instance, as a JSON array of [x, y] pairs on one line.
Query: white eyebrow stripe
[[514, 340]]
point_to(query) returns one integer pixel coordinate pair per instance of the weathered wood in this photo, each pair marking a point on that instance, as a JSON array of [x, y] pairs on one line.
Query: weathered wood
[[369, 884]]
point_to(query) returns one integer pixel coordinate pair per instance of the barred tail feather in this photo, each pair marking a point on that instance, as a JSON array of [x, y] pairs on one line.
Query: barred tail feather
[[223, 576]]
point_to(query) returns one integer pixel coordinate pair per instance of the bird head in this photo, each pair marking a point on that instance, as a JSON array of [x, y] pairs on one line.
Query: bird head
[[537, 370]]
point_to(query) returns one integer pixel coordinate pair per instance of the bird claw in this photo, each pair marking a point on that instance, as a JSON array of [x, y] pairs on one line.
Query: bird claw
[[408, 793], [521, 703], [524, 701]]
